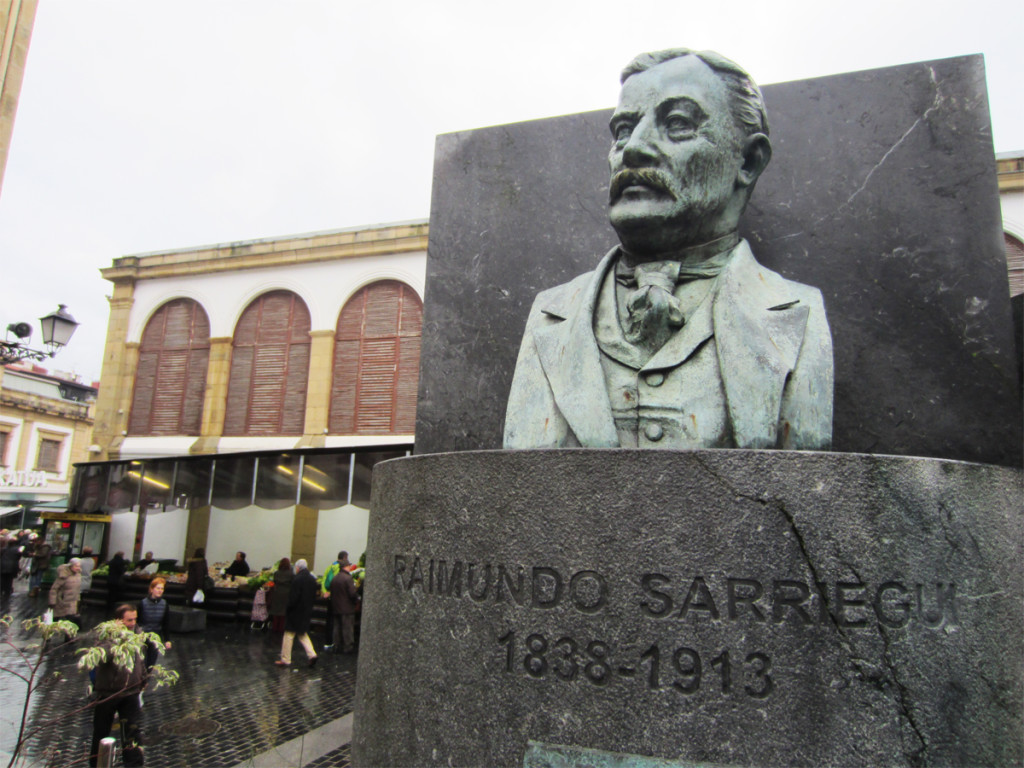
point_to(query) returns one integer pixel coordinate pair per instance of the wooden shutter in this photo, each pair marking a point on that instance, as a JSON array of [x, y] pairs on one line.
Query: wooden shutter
[[49, 454], [171, 375], [1015, 263], [376, 362], [267, 386]]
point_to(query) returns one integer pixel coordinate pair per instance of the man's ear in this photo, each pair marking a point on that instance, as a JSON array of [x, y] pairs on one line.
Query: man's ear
[[757, 152]]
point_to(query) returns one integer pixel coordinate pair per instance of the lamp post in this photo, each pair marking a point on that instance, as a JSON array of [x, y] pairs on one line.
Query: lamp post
[[57, 328]]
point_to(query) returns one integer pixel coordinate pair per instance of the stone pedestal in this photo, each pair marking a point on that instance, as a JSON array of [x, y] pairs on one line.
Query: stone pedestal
[[726, 607]]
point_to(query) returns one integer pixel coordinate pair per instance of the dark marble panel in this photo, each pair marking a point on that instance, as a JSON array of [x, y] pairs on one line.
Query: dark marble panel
[[882, 192], [568, 597]]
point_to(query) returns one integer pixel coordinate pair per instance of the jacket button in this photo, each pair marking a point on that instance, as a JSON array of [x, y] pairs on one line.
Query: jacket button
[[655, 379], [654, 432]]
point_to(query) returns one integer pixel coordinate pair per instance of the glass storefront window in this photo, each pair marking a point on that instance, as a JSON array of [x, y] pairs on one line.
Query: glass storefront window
[[232, 482], [91, 487], [362, 472], [156, 477], [325, 480], [124, 485], [277, 480], [192, 483]]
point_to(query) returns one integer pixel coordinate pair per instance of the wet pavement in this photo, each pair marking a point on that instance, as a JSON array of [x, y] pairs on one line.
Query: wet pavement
[[231, 707]]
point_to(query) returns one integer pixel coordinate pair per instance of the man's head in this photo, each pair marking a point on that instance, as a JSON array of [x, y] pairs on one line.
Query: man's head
[[689, 141], [75, 564], [343, 557], [127, 615], [300, 565], [149, 556], [239, 556]]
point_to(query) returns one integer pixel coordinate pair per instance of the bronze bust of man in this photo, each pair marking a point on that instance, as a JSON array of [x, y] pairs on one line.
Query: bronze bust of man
[[679, 338]]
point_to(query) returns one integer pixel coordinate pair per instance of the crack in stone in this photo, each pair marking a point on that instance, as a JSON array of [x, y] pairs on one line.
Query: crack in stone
[[865, 667], [937, 101], [916, 757]]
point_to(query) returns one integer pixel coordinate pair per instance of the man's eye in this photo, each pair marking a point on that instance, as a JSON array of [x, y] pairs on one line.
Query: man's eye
[[678, 127], [622, 132]]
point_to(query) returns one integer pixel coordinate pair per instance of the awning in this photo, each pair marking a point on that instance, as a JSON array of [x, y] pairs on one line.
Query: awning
[[9, 510]]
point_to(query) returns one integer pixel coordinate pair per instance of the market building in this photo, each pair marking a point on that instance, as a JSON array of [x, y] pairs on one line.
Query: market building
[[247, 390]]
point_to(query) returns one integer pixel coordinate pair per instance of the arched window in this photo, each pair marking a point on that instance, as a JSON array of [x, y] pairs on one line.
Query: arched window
[[1015, 263], [171, 377], [377, 362], [269, 367]]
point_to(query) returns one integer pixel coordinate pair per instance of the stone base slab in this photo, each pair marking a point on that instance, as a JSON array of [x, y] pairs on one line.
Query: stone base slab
[[729, 607]]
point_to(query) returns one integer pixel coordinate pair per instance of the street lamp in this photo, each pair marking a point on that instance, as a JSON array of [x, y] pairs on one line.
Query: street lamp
[[57, 328]]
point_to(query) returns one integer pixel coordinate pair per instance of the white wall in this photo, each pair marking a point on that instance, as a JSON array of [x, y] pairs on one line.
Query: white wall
[[344, 528], [165, 534], [1012, 203], [122, 534], [265, 535], [324, 286]]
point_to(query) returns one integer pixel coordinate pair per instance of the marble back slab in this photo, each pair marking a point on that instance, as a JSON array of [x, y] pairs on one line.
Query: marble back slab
[[882, 192]]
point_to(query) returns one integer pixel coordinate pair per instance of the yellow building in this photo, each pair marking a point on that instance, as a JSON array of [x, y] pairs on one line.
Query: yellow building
[[45, 425], [248, 388], [16, 20]]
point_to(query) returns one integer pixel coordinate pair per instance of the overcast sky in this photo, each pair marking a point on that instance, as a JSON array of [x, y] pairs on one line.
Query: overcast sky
[[147, 126]]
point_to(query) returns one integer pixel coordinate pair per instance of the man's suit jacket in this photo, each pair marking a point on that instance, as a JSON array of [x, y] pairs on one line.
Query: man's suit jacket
[[774, 352]]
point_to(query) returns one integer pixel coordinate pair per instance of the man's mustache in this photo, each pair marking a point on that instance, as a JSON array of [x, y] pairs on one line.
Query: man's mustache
[[645, 177]]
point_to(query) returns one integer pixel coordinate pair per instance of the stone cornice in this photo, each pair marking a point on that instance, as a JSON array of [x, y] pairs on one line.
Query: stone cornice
[[253, 254]]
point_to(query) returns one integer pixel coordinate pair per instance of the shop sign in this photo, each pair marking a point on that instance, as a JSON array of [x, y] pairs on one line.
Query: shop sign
[[76, 517], [22, 477]]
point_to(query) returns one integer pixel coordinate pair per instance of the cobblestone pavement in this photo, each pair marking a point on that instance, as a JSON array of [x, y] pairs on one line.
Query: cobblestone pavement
[[231, 705]]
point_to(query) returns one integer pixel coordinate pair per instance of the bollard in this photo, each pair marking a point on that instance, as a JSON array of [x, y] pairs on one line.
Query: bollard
[[106, 753]]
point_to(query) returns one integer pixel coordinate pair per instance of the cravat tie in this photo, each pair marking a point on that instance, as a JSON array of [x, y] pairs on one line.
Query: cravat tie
[[654, 313]]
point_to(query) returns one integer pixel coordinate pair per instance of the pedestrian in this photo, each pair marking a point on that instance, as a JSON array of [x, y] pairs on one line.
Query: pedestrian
[[198, 570], [335, 567], [41, 554], [66, 591], [277, 606], [154, 616], [301, 598], [10, 555], [147, 566], [88, 563], [116, 567], [239, 567], [344, 602], [118, 690]]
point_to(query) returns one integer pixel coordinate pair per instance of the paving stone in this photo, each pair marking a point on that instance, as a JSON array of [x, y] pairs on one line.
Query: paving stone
[[229, 686]]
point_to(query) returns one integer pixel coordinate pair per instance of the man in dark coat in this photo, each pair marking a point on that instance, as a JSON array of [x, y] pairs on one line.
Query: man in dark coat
[[117, 691], [10, 555], [301, 597], [343, 606]]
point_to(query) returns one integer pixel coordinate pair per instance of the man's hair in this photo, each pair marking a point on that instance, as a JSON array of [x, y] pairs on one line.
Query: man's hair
[[747, 102], [122, 609], [300, 565], [242, 554], [343, 555], [157, 582]]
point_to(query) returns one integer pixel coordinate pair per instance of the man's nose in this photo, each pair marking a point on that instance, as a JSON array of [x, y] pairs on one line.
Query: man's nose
[[640, 150]]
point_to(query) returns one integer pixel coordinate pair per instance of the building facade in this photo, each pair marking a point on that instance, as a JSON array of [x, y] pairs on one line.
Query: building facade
[[248, 389], [45, 425], [17, 18], [1010, 170]]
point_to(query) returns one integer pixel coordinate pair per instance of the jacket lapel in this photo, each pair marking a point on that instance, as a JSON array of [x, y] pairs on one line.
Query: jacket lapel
[[572, 363], [758, 333]]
